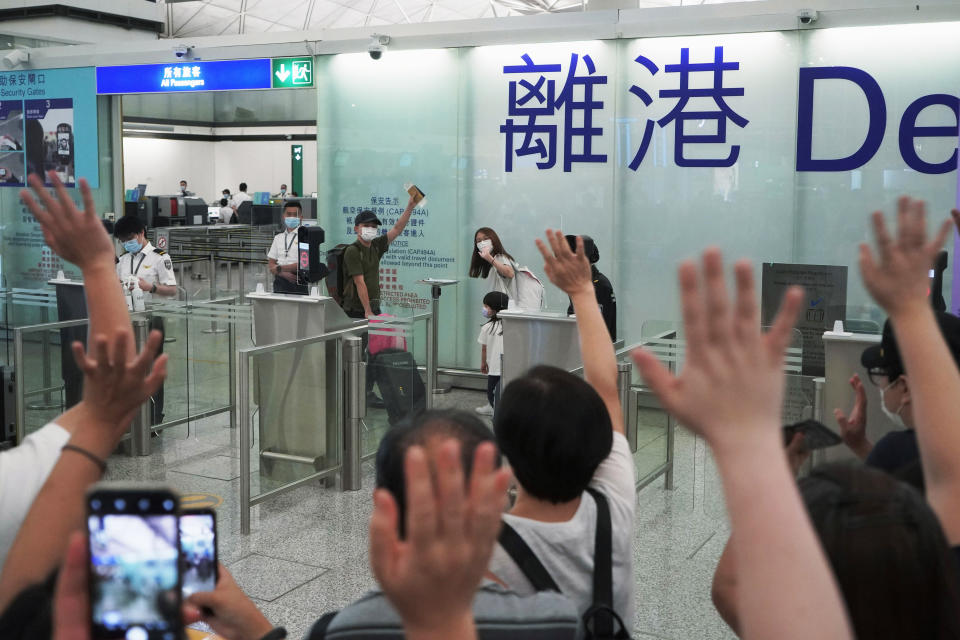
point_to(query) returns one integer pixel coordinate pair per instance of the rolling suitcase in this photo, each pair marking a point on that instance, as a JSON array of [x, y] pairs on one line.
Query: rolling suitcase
[[395, 373]]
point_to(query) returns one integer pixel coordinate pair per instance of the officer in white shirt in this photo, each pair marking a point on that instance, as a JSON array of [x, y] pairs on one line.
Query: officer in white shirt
[[241, 197], [153, 271], [283, 254]]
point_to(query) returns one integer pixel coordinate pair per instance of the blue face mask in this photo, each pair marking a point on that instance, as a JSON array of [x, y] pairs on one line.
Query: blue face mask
[[132, 246], [485, 312], [292, 223]]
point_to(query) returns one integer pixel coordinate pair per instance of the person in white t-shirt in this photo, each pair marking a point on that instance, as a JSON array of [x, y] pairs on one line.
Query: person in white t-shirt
[[491, 337], [491, 261], [241, 197], [564, 436]]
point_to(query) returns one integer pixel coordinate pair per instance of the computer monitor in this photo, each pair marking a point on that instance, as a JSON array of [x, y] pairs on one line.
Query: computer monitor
[[261, 197]]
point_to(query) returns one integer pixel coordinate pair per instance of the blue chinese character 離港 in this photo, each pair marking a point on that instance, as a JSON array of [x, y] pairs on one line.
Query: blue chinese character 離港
[[679, 115], [531, 99]]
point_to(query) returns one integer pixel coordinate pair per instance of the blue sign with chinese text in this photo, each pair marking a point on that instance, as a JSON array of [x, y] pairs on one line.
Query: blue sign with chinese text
[[218, 75]]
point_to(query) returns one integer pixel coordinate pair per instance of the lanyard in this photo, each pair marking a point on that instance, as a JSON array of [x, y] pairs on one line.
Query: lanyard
[[287, 245], [142, 256]]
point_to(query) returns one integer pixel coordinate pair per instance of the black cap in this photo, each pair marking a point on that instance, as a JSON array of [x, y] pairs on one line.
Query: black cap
[[589, 247], [365, 217], [885, 356]]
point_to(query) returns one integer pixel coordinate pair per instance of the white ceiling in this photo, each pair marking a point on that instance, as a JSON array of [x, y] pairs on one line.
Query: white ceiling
[[185, 18]]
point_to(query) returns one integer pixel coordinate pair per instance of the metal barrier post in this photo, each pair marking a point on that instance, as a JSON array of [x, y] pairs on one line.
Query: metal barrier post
[[231, 364], [19, 384], [45, 343], [355, 396], [243, 290], [213, 295], [243, 393], [818, 456], [432, 386], [139, 443], [624, 369]]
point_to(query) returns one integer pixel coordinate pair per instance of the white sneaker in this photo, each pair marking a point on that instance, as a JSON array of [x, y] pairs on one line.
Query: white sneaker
[[485, 410]]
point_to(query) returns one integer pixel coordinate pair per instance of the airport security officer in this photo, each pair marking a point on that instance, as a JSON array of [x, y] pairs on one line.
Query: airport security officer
[[153, 270], [283, 255]]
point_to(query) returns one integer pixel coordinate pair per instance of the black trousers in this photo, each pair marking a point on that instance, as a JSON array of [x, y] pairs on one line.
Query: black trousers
[[365, 338], [284, 286], [156, 413], [492, 383]]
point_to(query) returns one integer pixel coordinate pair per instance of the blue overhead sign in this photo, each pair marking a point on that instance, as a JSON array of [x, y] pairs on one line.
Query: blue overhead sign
[[219, 75]]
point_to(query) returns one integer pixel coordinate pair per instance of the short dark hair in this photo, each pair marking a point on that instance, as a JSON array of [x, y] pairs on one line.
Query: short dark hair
[[467, 428], [128, 225], [293, 203], [226, 191], [223, 202], [243, 186], [891, 559], [183, 181], [555, 430]]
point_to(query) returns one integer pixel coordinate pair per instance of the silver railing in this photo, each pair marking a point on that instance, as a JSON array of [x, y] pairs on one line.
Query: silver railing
[[348, 464], [221, 309]]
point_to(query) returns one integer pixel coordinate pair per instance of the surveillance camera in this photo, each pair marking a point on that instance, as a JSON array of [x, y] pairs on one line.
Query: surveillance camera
[[181, 51], [15, 57], [808, 16], [378, 44]]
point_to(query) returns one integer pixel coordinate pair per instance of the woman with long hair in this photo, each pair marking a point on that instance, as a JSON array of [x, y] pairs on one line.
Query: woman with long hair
[[491, 261]]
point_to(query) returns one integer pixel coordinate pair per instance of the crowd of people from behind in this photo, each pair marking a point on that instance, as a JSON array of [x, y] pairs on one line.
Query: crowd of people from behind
[[851, 550]]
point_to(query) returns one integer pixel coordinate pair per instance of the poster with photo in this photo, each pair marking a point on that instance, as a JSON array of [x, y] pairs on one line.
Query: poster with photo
[[49, 140], [11, 143]]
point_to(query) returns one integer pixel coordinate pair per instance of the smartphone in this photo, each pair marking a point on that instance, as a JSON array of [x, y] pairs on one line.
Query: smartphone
[[64, 133], [815, 434], [134, 543], [198, 551]]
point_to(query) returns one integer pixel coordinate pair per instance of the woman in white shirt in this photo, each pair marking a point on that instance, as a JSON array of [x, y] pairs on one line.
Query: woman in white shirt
[[491, 261]]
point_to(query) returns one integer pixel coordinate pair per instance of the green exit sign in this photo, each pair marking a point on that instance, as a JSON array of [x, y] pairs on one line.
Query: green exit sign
[[290, 73]]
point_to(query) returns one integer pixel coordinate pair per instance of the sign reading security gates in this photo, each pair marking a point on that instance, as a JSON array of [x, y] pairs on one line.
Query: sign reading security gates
[[197, 75]]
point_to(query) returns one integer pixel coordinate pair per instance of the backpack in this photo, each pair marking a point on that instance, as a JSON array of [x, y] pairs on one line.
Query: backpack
[[335, 281], [526, 288], [600, 621]]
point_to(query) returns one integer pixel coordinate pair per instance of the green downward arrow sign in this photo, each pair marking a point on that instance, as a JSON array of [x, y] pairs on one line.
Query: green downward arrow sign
[[282, 74]]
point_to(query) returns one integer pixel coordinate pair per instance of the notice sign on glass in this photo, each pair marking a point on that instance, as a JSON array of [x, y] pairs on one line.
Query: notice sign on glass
[[825, 301], [194, 75]]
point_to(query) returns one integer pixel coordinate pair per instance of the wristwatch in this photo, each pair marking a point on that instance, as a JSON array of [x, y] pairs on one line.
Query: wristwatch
[[279, 633], [153, 289]]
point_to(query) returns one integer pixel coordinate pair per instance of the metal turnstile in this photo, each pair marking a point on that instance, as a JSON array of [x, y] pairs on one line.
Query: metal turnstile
[[537, 337], [296, 389]]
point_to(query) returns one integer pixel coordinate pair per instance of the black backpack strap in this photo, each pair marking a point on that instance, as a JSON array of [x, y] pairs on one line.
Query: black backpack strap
[[526, 560], [602, 569]]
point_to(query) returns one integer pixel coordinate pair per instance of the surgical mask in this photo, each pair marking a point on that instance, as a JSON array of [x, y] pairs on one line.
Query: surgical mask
[[368, 233], [292, 223], [894, 417], [484, 244], [485, 312], [132, 246]]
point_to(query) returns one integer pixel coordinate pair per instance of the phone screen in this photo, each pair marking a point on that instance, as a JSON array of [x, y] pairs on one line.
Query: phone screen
[[198, 544], [134, 565], [63, 143]]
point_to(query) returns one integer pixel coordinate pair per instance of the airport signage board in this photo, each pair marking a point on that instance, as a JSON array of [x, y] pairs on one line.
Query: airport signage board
[[292, 73], [186, 76]]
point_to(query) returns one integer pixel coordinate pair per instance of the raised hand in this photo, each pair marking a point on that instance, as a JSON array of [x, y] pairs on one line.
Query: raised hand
[[568, 270], [74, 235], [114, 387], [853, 429], [731, 387], [897, 276], [431, 576]]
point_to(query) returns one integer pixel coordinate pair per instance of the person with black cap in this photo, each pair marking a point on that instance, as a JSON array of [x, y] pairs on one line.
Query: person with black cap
[[361, 262], [491, 339], [601, 285], [896, 451]]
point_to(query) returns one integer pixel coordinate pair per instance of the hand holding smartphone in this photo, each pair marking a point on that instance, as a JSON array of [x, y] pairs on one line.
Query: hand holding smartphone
[[134, 544]]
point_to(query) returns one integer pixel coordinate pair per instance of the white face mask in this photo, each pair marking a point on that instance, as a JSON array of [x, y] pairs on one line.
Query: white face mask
[[893, 416], [484, 244], [368, 233]]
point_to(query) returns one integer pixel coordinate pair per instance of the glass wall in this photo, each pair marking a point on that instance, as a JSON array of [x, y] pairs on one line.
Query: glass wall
[[773, 146]]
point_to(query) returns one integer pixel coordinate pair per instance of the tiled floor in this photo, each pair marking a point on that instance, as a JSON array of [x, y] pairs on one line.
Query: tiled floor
[[307, 552]]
